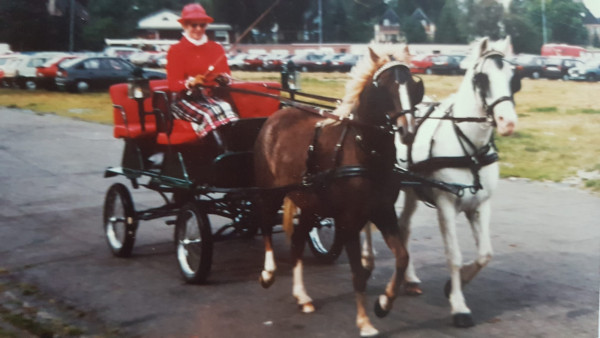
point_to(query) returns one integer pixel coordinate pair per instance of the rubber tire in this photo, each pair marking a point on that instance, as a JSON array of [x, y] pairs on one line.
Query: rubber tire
[[325, 252], [82, 86], [120, 241], [30, 84], [194, 259], [591, 77]]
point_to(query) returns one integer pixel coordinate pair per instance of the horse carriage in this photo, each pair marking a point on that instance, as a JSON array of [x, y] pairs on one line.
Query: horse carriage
[[338, 165]]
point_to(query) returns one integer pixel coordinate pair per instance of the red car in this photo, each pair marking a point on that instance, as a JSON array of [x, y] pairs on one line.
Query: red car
[[46, 73], [421, 64]]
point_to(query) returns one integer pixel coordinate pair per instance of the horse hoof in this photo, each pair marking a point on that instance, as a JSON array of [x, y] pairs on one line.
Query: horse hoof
[[379, 311], [447, 289], [266, 282], [307, 308], [413, 289], [463, 320], [369, 332]]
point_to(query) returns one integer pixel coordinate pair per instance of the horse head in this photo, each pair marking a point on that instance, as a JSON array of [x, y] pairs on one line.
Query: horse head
[[495, 82], [383, 89]]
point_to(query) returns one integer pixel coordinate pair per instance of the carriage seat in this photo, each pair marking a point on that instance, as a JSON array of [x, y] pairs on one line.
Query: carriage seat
[[246, 105], [125, 112]]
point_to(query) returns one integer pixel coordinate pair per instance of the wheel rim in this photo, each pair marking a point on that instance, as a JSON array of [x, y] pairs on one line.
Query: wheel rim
[[116, 222], [30, 85], [82, 86], [189, 245], [322, 236]]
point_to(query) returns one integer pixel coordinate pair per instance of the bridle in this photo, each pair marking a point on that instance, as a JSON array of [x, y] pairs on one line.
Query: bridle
[[403, 91], [481, 84]]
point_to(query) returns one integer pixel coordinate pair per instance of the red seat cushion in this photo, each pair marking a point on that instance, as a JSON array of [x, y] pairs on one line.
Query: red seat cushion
[[249, 105], [181, 133]]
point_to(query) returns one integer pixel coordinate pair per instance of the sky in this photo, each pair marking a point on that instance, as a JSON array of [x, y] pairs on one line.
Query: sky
[[593, 6]]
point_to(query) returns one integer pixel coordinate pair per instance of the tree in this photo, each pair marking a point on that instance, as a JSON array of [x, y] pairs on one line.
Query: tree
[[566, 22], [486, 17], [414, 31], [525, 37], [448, 28]]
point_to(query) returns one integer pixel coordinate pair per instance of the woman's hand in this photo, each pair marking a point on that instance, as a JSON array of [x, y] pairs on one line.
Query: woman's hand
[[223, 79], [194, 81]]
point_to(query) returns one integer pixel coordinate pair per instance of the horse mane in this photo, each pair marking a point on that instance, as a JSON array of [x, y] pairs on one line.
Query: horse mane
[[362, 73]]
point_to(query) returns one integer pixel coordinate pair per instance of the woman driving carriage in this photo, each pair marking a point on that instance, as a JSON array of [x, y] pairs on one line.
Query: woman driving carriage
[[194, 61]]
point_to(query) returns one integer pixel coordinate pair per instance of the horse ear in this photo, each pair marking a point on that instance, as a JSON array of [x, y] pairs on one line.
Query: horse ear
[[483, 46], [373, 55], [406, 54]]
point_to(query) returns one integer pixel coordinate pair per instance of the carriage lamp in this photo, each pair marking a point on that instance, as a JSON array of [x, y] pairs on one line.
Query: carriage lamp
[[138, 88]]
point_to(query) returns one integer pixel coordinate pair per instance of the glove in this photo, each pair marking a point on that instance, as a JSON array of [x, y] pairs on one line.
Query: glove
[[194, 81]]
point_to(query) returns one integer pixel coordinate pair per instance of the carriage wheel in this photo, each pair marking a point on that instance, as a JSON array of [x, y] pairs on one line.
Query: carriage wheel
[[324, 242], [194, 244], [120, 224]]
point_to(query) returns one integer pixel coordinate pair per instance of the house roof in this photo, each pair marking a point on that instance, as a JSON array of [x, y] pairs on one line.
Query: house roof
[[421, 16], [391, 17]]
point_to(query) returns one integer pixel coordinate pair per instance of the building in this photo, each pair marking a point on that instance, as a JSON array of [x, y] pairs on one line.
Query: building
[[388, 28]]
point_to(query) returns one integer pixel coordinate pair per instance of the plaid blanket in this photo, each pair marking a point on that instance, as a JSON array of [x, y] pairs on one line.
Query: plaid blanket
[[205, 113]]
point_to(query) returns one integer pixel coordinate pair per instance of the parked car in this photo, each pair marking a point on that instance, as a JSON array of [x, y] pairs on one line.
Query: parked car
[[121, 52], [25, 72], [46, 73], [308, 62], [588, 71], [447, 64], [421, 64], [275, 61], [236, 62], [557, 67], [254, 62], [10, 70], [341, 62], [146, 58], [5, 61], [529, 65], [97, 72]]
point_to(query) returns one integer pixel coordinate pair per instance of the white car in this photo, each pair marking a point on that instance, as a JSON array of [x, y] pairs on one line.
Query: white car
[[25, 72], [10, 69]]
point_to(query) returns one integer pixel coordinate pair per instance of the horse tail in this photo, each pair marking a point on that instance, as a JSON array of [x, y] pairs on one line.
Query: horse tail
[[289, 211]]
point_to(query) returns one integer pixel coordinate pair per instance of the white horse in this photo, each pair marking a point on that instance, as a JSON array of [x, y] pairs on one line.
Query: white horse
[[454, 145]]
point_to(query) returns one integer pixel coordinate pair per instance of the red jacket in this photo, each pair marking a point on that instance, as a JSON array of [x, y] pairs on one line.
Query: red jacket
[[185, 60]]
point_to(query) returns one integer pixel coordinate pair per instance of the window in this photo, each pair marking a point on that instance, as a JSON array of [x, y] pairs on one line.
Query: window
[[91, 64]]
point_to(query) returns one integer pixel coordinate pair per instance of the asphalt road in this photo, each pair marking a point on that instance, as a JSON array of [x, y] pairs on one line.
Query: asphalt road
[[55, 266]]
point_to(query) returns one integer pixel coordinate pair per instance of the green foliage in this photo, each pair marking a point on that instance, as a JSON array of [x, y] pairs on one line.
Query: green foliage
[[448, 28], [414, 31], [486, 17]]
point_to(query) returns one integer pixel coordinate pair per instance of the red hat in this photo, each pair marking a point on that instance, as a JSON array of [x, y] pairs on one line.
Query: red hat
[[194, 12]]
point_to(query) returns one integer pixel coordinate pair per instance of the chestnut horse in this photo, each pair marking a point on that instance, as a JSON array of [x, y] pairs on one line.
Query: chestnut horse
[[339, 168]]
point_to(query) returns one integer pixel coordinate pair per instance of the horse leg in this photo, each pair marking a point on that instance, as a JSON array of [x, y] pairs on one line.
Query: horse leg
[[479, 219], [360, 275], [386, 222], [461, 314], [299, 238], [267, 208], [368, 252], [411, 281]]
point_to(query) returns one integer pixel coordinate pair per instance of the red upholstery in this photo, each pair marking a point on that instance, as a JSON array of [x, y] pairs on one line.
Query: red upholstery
[[181, 133], [133, 128], [249, 105]]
